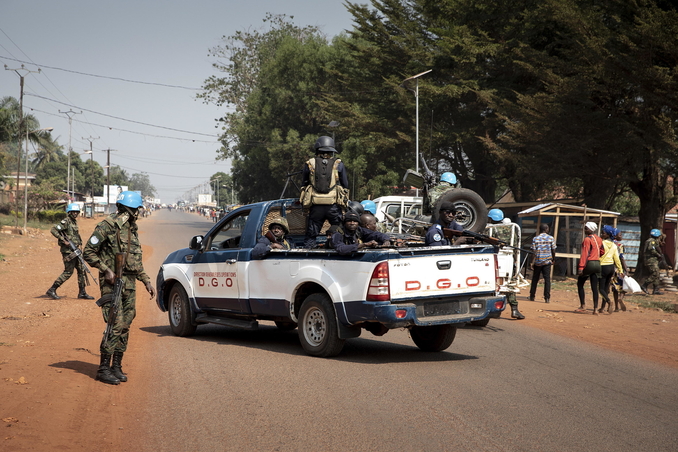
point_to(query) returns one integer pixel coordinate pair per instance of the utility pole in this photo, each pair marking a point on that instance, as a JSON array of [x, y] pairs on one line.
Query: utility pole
[[91, 161], [108, 179], [20, 132], [70, 114]]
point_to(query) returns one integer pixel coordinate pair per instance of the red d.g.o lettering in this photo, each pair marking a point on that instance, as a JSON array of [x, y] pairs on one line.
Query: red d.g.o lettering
[[444, 283], [472, 281], [412, 285], [201, 282], [215, 282]]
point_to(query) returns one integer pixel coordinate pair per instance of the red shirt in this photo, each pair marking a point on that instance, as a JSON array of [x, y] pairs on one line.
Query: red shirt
[[591, 250]]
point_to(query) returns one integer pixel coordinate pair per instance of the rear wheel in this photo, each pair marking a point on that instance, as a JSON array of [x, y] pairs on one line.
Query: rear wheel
[[318, 330], [471, 209], [433, 338], [181, 317]]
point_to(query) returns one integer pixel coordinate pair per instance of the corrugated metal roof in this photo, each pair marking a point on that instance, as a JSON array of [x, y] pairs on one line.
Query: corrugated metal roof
[[568, 207]]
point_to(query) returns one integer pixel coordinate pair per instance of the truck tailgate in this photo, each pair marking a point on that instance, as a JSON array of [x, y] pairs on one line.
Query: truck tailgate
[[441, 275]]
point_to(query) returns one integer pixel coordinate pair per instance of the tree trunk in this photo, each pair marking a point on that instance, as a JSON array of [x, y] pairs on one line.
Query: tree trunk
[[651, 191]]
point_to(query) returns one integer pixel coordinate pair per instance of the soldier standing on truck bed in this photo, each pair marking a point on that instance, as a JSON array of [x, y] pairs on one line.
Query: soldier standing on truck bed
[[324, 189]]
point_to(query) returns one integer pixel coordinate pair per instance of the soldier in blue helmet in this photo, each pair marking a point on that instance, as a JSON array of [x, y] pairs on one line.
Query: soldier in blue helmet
[[447, 181], [69, 227], [118, 234], [369, 206], [653, 254]]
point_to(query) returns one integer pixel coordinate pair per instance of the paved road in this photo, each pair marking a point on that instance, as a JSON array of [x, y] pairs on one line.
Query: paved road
[[502, 388]]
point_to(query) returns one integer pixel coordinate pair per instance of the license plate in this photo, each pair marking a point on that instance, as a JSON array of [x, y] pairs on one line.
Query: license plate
[[444, 308]]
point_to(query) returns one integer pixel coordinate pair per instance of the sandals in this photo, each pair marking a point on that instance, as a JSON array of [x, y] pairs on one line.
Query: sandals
[[580, 310]]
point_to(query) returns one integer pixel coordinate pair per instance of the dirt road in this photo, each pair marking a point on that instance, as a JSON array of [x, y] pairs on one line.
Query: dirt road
[[49, 349]]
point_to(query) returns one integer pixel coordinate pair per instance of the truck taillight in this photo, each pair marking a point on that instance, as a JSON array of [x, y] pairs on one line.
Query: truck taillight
[[378, 289], [497, 278]]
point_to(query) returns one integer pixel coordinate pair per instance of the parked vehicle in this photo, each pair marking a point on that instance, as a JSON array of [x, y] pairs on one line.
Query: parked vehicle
[[429, 291]]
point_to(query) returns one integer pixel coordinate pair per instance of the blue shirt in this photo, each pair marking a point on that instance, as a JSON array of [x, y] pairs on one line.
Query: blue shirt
[[435, 236]]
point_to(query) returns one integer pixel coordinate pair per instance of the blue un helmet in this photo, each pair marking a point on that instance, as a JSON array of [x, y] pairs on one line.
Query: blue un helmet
[[655, 233], [130, 199], [496, 214], [448, 177], [369, 206], [73, 207]]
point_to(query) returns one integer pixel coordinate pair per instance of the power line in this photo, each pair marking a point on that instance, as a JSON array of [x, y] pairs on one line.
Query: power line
[[129, 131], [101, 76], [119, 118]]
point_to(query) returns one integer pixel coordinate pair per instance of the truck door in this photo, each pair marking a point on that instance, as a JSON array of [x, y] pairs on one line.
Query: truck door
[[215, 275]]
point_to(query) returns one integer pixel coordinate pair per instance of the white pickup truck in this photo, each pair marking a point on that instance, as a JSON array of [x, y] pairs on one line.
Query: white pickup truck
[[330, 297]]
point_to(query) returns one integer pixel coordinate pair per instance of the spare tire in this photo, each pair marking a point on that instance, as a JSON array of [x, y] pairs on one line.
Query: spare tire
[[471, 209]]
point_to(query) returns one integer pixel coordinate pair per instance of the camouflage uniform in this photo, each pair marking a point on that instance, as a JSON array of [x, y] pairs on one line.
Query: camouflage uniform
[[435, 193], [504, 234], [652, 254], [114, 235], [71, 261]]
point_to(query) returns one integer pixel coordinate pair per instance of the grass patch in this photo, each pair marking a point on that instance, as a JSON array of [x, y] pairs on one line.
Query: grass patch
[[644, 301], [10, 220]]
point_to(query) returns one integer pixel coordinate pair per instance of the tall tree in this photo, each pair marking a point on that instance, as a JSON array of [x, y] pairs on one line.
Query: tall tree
[[141, 182]]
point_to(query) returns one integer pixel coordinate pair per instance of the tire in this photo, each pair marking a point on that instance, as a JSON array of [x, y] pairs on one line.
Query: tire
[[433, 338], [480, 323], [318, 331], [181, 318], [472, 213], [285, 326]]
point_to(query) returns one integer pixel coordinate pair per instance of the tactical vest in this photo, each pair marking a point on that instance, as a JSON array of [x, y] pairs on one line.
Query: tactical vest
[[324, 173]]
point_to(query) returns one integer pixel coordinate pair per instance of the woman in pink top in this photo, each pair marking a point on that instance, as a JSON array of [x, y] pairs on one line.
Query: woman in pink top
[[589, 265]]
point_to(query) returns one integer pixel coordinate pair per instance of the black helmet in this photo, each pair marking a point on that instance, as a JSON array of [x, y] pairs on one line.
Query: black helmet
[[356, 207], [324, 144]]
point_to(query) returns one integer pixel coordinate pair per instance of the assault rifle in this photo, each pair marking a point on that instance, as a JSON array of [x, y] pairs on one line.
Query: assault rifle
[[451, 233], [78, 254], [115, 299]]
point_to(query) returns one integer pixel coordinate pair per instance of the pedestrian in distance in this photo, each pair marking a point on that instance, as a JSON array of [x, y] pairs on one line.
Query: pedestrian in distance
[[324, 189], [68, 227], [609, 262], [589, 266], [118, 233], [653, 255], [618, 280], [544, 247], [274, 239]]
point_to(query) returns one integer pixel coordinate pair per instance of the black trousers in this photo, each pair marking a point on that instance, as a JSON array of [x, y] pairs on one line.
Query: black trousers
[[544, 270], [316, 218]]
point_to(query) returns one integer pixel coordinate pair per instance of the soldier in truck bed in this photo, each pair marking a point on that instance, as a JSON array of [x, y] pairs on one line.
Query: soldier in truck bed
[[326, 175]]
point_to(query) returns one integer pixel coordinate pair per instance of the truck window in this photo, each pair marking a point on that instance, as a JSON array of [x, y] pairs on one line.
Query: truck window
[[228, 235]]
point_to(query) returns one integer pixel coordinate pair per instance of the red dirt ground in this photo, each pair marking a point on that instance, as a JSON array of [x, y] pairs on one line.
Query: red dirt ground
[[49, 399]]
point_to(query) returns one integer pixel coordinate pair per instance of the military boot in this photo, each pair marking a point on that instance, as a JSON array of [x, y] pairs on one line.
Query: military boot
[[643, 287], [83, 294], [51, 292], [515, 313], [656, 291], [116, 367], [104, 373]]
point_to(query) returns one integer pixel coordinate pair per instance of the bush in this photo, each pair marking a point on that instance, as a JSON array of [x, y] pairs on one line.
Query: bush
[[51, 216]]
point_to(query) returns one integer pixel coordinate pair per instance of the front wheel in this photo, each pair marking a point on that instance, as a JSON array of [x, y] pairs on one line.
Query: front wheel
[[180, 315], [318, 331], [433, 338]]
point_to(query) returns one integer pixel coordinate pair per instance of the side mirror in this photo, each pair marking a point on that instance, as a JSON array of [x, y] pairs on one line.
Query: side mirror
[[196, 243]]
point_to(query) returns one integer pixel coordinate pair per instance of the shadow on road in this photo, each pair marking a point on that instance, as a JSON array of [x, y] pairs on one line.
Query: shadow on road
[[82, 367], [270, 338]]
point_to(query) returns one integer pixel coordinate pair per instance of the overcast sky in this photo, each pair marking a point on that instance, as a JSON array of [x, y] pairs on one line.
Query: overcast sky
[[82, 47]]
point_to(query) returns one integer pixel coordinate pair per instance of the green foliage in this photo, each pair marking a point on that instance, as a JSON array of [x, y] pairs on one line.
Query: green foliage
[[51, 216], [141, 182]]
